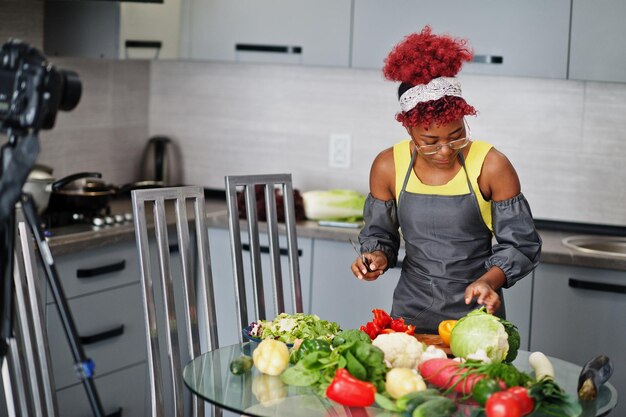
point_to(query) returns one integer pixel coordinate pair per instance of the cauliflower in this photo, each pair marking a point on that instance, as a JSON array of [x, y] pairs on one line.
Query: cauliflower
[[271, 357], [432, 352], [401, 350], [402, 381]]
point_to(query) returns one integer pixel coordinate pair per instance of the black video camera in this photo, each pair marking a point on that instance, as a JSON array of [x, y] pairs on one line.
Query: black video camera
[[32, 90]]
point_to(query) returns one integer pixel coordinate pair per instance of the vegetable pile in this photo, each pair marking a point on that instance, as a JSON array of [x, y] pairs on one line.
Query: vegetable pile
[[392, 369]]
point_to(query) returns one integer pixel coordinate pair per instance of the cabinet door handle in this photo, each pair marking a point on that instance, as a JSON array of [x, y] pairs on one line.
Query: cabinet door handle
[[597, 286], [100, 270], [99, 337], [266, 249], [280, 49], [488, 59]]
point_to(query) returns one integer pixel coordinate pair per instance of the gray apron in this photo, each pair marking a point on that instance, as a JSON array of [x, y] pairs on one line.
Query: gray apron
[[447, 244]]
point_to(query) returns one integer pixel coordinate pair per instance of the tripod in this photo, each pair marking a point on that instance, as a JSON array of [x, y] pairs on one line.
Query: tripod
[[18, 157]]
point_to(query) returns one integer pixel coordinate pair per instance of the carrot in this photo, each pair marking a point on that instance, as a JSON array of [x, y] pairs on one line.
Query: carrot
[[449, 375]]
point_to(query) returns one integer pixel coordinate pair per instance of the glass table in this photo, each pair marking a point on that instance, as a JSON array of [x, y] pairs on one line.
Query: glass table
[[255, 394]]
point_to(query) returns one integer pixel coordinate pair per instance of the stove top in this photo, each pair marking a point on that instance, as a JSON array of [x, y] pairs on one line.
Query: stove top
[[66, 223]]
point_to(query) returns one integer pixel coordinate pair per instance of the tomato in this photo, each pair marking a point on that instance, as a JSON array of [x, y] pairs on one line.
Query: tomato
[[527, 404], [483, 389], [445, 328], [502, 404]]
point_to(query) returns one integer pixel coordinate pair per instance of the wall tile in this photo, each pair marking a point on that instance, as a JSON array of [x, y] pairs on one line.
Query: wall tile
[[108, 129], [243, 119]]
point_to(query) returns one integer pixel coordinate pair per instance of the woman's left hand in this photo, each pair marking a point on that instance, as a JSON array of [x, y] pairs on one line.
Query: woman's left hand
[[486, 295]]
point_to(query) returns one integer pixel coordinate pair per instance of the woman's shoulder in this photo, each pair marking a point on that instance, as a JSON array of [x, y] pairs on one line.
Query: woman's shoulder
[[499, 175], [382, 175]]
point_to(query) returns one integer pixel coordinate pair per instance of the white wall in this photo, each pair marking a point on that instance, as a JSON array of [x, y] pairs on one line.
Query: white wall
[[567, 139]]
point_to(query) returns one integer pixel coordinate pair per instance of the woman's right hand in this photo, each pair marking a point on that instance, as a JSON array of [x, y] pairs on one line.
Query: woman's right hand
[[377, 263]]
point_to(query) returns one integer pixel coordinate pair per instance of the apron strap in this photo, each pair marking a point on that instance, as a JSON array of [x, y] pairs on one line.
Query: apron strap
[[408, 174], [469, 183]]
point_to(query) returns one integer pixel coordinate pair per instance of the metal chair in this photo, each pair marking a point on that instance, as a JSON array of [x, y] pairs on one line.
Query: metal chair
[[27, 371], [175, 293], [248, 184]]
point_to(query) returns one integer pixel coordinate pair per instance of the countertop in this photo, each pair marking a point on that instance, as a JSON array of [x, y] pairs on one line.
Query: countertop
[[61, 242]]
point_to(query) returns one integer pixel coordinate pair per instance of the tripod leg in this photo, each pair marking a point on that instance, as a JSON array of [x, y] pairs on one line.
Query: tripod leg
[[83, 365], [7, 239]]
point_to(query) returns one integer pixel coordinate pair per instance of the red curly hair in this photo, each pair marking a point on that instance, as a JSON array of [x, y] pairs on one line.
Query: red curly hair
[[418, 59]]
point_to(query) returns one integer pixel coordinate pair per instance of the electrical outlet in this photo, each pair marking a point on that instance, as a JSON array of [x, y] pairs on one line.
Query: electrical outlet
[[339, 150]]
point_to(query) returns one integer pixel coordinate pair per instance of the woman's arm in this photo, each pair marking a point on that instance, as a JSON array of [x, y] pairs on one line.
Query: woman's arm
[[379, 237], [519, 245]]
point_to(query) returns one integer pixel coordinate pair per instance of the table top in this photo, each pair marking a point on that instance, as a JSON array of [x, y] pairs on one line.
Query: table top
[[255, 394]]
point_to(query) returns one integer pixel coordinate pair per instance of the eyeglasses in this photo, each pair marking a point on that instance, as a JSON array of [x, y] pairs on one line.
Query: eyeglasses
[[455, 145]]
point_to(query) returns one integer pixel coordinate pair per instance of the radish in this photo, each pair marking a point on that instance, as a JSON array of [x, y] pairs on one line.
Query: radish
[[448, 374]]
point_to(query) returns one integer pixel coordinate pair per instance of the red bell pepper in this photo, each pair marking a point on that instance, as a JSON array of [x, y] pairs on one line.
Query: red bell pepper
[[350, 391], [381, 318]]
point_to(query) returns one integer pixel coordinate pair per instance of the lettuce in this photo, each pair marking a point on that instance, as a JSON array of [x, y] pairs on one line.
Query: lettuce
[[289, 327], [482, 334], [333, 205]]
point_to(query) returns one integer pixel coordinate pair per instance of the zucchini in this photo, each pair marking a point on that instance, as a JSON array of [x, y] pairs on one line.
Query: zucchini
[[416, 398], [435, 407], [241, 365], [594, 374]]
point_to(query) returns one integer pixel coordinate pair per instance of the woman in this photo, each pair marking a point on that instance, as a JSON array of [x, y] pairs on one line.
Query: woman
[[448, 194]]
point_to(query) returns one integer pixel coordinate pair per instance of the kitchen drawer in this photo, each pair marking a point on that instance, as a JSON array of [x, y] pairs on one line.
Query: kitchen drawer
[[91, 271], [126, 390], [95, 315]]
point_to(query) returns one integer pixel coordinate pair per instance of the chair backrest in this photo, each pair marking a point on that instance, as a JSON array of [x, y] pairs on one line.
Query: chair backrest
[[248, 184], [175, 292], [27, 374]]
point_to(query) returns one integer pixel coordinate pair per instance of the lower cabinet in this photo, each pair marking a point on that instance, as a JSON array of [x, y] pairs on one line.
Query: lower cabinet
[[337, 295], [579, 313], [122, 393], [518, 303], [104, 295]]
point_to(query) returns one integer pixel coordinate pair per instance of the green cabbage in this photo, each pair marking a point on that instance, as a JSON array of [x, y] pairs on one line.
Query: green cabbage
[[479, 330], [333, 205]]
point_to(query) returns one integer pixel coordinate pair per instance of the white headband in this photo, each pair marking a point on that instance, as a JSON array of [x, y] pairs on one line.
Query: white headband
[[434, 90]]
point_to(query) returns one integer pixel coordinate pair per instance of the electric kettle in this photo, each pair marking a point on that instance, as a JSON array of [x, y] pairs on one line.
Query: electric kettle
[[161, 162]]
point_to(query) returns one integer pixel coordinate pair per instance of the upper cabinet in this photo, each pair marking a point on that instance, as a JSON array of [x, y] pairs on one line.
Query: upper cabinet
[[598, 46], [523, 38], [111, 29], [279, 31]]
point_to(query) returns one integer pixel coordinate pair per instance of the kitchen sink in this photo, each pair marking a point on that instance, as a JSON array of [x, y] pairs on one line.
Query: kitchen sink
[[601, 245]]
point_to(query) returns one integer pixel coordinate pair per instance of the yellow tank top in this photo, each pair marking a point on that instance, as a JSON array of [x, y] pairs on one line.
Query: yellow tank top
[[456, 186]]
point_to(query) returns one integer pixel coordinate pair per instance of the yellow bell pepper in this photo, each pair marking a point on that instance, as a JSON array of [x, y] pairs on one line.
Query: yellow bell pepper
[[445, 328]]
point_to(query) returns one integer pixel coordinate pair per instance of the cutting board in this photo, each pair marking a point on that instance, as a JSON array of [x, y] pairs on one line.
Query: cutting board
[[434, 340]]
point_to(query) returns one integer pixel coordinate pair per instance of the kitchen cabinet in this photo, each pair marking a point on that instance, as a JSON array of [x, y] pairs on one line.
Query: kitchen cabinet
[[518, 302], [87, 29], [530, 38], [111, 30], [579, 313], [224, 281], [103, 291], [338, 295], [277, 31], [597, 41]]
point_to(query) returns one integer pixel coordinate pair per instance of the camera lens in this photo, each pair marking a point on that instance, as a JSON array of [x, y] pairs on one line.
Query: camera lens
[[71, 90]]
